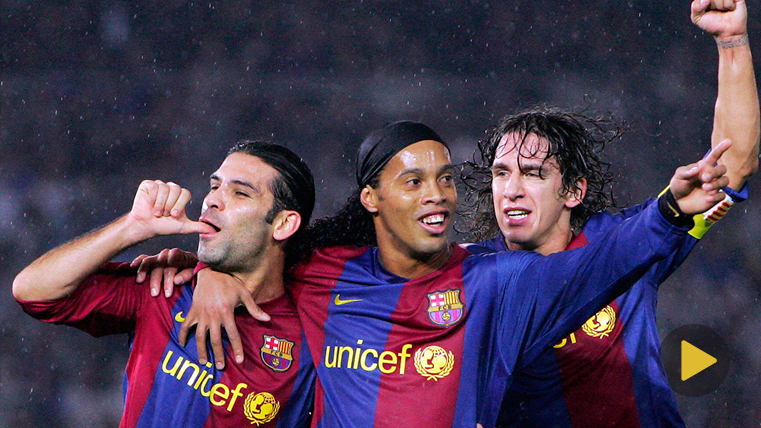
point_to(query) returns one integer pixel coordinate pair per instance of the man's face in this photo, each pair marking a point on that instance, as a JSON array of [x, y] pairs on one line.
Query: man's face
[[238, 201], [532, 210], [415, 200]]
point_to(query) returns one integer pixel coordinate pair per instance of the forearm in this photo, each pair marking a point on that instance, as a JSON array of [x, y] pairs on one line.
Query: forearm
[[737, 109], [57, 273]]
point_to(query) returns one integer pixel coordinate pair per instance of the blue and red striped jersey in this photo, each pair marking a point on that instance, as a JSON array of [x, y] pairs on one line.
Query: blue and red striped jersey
[[440, 350], [164, 384], [608, 372]]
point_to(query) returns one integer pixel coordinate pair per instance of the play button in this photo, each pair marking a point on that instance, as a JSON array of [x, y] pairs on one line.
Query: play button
[[696, 360]]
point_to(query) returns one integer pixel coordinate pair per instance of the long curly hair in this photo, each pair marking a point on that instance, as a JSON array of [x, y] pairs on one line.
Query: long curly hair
[[351, 225], [575, 140]]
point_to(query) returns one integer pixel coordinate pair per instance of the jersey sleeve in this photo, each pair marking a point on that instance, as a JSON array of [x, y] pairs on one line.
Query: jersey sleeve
[[106, 302], [551, 296]]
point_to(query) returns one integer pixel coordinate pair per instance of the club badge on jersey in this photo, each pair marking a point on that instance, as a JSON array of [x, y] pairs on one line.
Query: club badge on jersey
[[445, 308], [276, 353]]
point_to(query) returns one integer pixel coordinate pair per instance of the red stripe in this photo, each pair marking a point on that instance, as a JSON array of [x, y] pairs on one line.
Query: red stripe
[[596, 373], [597, 379], [330, 265], [146, 355], [433, 400], [253, 372], [578, 241]]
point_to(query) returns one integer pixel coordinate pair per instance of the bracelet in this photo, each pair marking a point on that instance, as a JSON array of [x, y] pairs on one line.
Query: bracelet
[[729, 44], [670, 210]]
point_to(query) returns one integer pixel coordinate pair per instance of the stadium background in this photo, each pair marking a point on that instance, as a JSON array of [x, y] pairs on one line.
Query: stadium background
[[97, 95]]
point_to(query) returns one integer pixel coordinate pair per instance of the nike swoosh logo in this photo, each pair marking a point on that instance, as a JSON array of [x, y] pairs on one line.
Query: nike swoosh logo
[[179, 317], [340, 302]]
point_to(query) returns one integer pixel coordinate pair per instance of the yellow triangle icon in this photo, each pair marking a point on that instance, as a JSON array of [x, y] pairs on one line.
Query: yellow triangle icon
[[694, 360]]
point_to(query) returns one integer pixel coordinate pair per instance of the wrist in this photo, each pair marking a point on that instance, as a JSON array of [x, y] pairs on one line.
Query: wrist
[[131, 231], [670, 210], [729, 42]]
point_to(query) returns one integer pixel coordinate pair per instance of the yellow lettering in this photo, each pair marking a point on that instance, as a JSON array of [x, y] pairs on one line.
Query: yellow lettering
[[372, 366], [563, 342], [387, 357], [185, 366], [341, 351], [164, 366], [357, 351], [330, 364], [200, 379], [403, 356], [224, 394], [236, 394], [206, 392], [368, 359]]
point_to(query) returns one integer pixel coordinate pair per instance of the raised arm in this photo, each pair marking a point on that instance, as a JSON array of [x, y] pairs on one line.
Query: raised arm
[[564, 289], [158, 209], [736, 113]]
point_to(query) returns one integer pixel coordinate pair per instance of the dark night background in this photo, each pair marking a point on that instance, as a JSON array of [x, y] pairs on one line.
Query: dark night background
[[97, 95]]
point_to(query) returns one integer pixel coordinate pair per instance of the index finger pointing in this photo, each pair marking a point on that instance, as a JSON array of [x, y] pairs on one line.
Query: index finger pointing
[[719, 150]]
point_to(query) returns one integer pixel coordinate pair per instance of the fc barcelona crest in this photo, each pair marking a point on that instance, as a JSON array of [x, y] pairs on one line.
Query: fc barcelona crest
[[444, 307], [276, 353]]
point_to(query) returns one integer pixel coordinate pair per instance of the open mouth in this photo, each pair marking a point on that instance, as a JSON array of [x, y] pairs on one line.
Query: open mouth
[[434, 220], [216, 229], [517, 214]]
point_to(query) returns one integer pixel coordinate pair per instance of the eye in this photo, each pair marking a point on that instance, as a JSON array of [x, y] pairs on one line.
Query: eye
[[413, 182], [447, 178], [241, 194]]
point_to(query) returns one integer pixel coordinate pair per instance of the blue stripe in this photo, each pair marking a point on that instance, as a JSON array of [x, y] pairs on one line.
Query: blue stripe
[[377, 305]]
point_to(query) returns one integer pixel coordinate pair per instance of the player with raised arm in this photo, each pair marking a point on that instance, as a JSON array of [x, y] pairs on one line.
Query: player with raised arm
[[538, 162], [413, 330], [258, 200]]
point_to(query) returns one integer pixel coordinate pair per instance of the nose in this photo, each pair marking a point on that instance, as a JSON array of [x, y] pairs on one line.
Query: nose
[[214, 199], [514, 187], [435, 193]]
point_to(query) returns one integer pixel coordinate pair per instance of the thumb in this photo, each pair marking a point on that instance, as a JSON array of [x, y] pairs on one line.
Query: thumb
[[191, 226], [687, 172], [254, 309], [699, 7]]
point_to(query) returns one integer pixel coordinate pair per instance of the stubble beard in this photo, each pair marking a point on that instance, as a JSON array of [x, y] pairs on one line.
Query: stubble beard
[[214, 257]]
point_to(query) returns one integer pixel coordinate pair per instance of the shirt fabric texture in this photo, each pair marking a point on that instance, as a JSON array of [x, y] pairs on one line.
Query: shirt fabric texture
[[441, 350], [164, 384]]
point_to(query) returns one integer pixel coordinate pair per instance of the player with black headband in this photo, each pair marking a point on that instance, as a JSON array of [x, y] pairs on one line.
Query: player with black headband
[[414, 331]]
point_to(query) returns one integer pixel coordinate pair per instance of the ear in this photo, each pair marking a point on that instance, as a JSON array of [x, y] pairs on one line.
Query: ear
[[369, 198], [286, 223], [573, 199]]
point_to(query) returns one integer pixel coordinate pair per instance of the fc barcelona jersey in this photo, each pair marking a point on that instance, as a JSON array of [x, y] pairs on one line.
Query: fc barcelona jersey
[[608, 372], [440, 350], [164, 384]]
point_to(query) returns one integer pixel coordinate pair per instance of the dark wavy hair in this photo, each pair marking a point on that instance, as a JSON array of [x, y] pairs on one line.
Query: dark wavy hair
[[351, 225], [293, 188], [575, 140]]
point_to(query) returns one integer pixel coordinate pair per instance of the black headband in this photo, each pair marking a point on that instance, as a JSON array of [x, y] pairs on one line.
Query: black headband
[[382, 144]]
